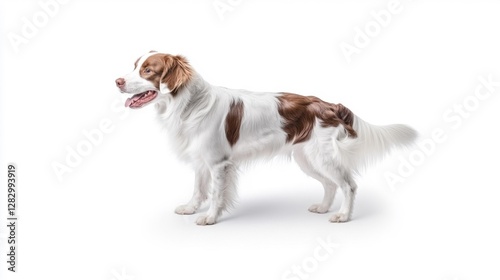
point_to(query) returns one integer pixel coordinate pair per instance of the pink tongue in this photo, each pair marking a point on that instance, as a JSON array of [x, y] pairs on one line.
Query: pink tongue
[[138, 100], [133, 99], [128, 102]]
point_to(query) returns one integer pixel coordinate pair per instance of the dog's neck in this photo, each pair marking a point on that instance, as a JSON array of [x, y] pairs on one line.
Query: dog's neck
[[195, 89], [183, 115], [196, 84]]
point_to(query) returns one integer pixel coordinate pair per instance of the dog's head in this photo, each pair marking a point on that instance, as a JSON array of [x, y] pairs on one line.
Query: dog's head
[[154, 73]]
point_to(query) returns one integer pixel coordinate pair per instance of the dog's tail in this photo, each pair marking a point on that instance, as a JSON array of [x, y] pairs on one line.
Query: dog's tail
[[372, 143]]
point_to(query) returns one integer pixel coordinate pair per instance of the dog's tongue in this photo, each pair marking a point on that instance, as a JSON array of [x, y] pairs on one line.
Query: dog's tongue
[[140, 99], [133, 99], [128, 102]]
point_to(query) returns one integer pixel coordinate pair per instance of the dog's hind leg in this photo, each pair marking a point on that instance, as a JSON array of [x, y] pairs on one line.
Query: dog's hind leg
[[331, 177], [224, 176], [348, 186], [329, 186], [200, 193], [319, 159]]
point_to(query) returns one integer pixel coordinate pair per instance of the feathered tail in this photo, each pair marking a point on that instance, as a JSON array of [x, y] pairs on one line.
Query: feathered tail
[[372, 143]]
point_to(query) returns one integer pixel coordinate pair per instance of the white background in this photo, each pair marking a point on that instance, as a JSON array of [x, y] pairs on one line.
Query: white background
[[112, 216]]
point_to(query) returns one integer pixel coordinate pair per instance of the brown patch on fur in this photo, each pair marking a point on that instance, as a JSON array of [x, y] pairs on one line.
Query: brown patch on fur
[[165, 68], [233, 122], [300, 114], [178, 72]]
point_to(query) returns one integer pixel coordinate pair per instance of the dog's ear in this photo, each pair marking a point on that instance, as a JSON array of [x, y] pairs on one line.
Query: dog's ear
[[176, 74]]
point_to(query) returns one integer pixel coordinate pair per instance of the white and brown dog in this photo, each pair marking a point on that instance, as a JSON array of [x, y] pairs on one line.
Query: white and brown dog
[[216, 129]]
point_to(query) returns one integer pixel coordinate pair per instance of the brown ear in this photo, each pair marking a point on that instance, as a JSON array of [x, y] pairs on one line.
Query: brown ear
[[176, 74]]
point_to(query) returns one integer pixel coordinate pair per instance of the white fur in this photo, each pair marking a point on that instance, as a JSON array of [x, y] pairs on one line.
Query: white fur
[[195, 120], [136, 84]]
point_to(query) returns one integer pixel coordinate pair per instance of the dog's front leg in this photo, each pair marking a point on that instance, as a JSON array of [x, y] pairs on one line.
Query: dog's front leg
[[200, 193], [224, 177]]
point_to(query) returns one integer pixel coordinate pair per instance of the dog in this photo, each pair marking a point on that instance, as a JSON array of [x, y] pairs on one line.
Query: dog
[[216, 129]]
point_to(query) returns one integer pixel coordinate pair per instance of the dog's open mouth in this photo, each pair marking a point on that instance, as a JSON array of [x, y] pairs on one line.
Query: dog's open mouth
[[141, 99]]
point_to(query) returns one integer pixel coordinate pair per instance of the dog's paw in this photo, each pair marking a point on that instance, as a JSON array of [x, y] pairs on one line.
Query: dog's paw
[[317, 208], [205, 220], [185, 210], [339, 218]]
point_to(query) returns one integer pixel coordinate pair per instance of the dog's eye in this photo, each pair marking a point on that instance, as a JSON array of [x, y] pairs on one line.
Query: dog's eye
[[147, 70]]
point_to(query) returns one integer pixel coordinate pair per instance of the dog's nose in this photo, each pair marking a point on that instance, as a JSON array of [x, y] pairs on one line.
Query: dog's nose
[[120, 82]]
